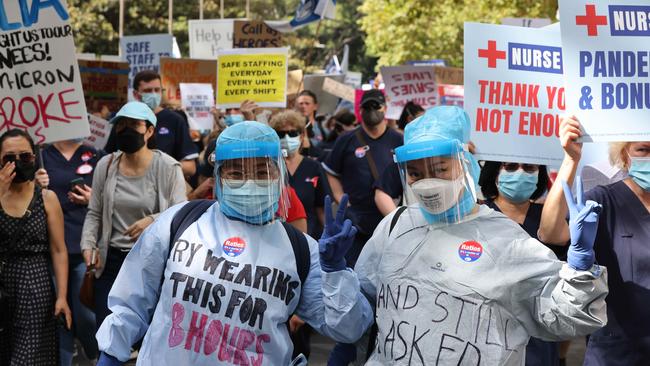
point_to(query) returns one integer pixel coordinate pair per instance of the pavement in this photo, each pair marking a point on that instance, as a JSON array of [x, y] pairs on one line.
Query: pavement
[[321, 347]]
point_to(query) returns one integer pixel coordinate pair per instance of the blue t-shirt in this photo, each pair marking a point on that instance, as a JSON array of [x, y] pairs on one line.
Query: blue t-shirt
[[172, 137], [348, 162], [623, 246], [61, 172], [310, 184]]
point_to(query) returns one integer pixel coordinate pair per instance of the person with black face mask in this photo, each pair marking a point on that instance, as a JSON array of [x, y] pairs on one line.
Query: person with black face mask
[[138, 183], [31, 242]]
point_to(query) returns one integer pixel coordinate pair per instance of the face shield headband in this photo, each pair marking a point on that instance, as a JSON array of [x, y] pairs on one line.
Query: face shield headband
[[254, 200], [440, 148]]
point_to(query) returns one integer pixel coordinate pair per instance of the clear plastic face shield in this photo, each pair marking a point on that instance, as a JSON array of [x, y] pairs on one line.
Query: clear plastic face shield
[[251, 181], [437, 178]]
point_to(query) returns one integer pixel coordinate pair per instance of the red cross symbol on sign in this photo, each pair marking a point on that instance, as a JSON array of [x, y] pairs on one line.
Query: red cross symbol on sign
[[591, 20], [492, 54]]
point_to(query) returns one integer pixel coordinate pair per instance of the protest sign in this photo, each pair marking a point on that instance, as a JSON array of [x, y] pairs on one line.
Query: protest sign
[[174, 71], [255, 34], [448, 75], [258, 74], [294, 82], [408, 84], [100, 129], [513, 92], [338, 89], [40, 86], [353, 79], [197, 100], [451, 95], [326, 102], [434, 62], [207, 37], [105, 84], [144, 52], [606, 54], [526, 22]]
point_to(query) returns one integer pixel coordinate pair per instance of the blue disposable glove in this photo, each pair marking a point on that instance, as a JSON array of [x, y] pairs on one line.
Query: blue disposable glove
[[107, 360], [583, 225], [337, 238]]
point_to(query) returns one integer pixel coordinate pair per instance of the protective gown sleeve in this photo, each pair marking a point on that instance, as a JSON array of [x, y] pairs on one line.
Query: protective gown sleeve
[[135, 292], [332, 303], [550, 299]]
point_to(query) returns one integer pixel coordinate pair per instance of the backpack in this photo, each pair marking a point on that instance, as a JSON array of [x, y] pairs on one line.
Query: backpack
[[194, 209]]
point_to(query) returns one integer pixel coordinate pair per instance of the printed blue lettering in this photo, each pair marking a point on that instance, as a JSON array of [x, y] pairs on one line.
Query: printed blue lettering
[[30, 16]]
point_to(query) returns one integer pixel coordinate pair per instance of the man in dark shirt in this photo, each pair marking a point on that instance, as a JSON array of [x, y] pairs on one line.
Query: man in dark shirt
[[172, 131], [355, 163]]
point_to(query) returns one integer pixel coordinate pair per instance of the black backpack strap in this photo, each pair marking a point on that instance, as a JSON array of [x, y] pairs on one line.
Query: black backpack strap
[[185, 217], [300, 251], [393, 222]]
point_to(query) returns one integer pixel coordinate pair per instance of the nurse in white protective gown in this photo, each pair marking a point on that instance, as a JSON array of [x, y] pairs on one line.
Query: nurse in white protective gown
[[224, 292], [457, 283]]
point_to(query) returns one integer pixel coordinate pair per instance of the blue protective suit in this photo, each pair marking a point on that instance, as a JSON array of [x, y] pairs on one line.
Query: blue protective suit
[[229, 289]]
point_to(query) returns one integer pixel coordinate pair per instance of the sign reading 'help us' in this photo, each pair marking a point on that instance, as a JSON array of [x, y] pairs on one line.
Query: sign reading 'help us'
[[607, 55], [514, 92]]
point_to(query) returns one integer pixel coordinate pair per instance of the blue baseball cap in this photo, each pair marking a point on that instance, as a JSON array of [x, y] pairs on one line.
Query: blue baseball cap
[[136, 110]]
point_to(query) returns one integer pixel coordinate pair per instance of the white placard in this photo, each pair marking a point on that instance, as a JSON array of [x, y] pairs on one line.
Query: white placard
[[197, 100], [40, 85], [208, 37]]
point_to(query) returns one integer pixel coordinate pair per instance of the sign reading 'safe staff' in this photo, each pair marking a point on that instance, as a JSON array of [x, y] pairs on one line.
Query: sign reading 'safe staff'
[[40, 86]]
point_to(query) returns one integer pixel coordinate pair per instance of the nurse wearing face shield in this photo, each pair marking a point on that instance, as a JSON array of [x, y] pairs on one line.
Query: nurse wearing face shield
[[234, 275], [459, 283]]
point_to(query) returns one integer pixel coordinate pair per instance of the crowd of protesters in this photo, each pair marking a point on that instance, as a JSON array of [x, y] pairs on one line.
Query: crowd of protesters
[[402, 193]]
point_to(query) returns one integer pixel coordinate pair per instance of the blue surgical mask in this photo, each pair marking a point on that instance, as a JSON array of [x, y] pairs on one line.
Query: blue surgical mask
[[640, 172], [231, 119], [152, 100], [253, 202], [517, 186], [291, 144]]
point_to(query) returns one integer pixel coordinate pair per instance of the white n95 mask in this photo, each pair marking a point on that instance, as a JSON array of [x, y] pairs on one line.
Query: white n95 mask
[[437, 195]]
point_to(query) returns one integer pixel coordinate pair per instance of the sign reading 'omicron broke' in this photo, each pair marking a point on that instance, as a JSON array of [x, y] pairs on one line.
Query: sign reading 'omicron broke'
[[40, 87], [607, 56], [514, 92], [253, 74]]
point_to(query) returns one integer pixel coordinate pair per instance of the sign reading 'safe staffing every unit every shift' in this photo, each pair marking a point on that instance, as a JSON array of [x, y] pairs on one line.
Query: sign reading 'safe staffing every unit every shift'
[[258, 74], [514, 92], [607, 57], [40, 86]]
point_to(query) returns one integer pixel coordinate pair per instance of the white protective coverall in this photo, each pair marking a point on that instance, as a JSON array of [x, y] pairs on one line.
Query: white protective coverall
[[229, 289], [471, 293]]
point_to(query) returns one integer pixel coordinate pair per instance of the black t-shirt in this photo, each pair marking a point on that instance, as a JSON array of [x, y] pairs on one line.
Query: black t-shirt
[[390, 181], [61, 172], [348, 162], [172, 137], [531, 226], [310, 184]]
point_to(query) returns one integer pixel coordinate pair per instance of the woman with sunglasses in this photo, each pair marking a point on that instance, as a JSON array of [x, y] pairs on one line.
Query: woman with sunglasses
[[138, 183], [512, 188], [31, 237]]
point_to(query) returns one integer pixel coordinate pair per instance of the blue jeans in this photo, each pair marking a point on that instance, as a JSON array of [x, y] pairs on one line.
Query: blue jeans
[[83, 319], [103, 284]]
